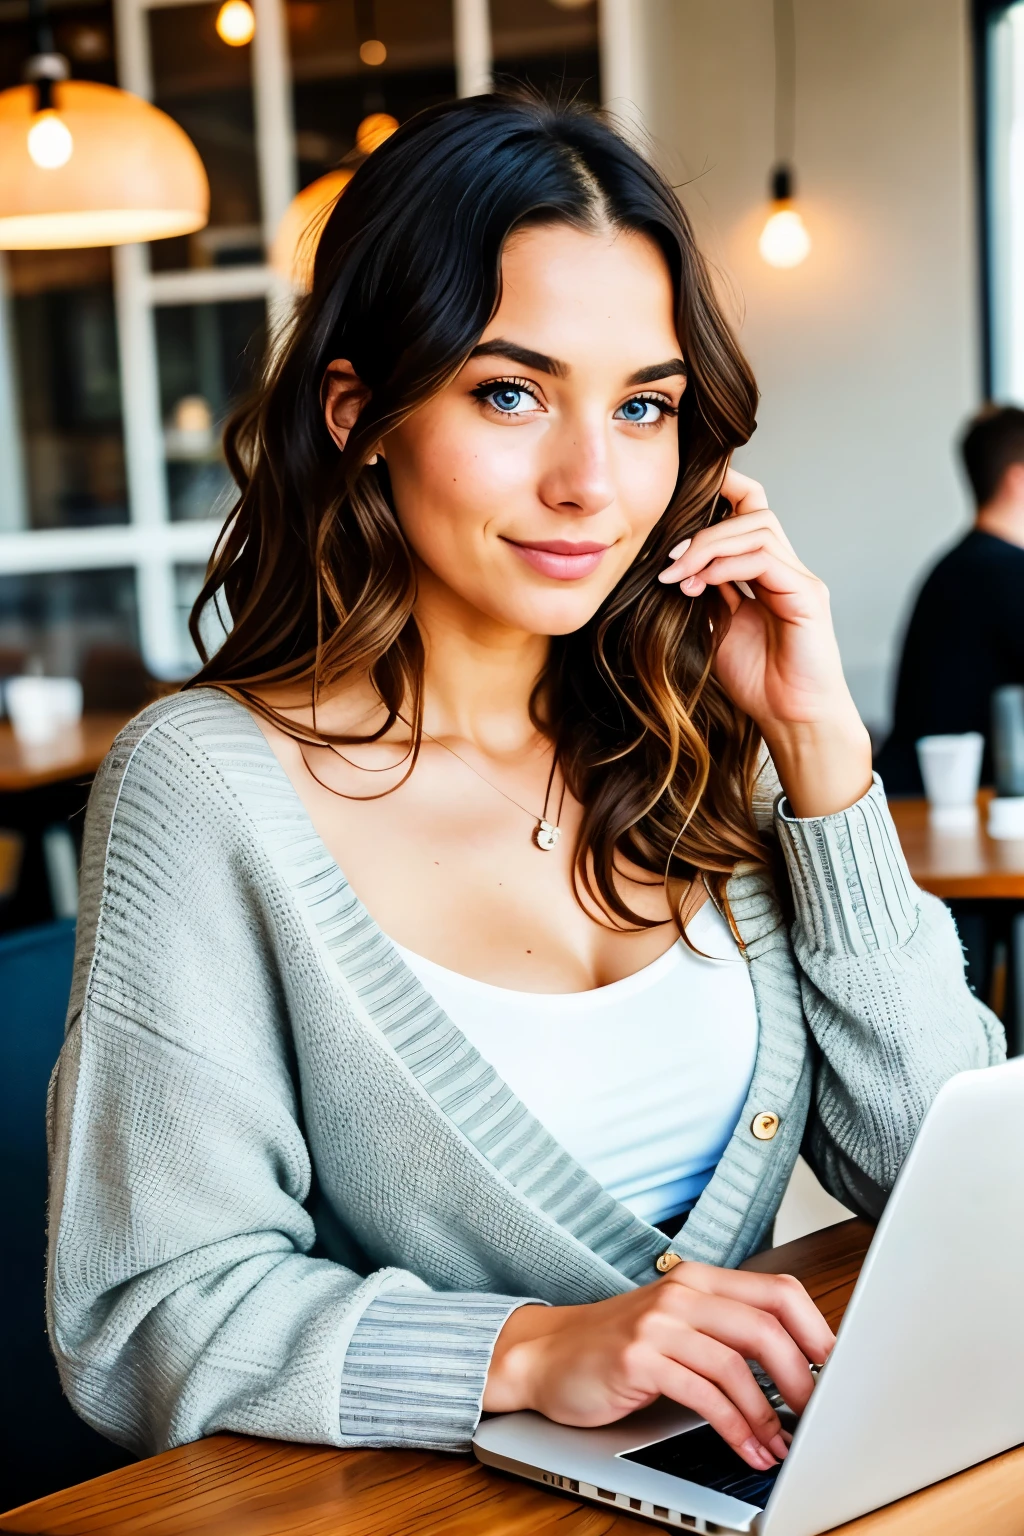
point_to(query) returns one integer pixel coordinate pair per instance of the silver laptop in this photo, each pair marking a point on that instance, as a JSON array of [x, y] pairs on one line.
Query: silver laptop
[[927, 1376]]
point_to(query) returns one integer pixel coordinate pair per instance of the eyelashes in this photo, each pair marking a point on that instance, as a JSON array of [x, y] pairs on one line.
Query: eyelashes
[[515, 390]]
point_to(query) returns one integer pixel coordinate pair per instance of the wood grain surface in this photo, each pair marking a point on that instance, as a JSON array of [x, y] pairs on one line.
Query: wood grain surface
[[75, 754], [233, 1486], [955, 865]]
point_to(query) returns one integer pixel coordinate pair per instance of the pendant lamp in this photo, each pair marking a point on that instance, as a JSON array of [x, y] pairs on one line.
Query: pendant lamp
[[784, 240], [84, 164], [294, 248]]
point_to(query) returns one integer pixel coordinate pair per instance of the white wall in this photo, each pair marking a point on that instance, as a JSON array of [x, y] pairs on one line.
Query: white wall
[[867, 355]]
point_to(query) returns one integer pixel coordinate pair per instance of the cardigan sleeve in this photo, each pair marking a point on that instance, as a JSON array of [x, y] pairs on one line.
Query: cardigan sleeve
[[884, 991], [185, 1294]]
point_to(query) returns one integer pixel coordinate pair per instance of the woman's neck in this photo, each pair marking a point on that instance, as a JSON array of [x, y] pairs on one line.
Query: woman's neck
[[478, 673]]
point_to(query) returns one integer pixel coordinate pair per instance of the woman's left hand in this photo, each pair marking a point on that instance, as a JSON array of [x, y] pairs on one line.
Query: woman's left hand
[[779, 662]]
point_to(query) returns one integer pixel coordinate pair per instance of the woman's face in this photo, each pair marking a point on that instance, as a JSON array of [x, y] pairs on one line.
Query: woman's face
[[529, 485]]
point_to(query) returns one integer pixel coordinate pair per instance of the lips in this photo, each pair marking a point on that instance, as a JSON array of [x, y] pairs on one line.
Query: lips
[[559, 558]]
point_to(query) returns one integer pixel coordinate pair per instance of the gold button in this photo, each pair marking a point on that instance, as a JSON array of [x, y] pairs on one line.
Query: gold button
[[666, 1261], [764, 1125]]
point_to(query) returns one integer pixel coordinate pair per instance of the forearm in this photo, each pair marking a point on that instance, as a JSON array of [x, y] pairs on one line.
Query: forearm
[[883, 984]]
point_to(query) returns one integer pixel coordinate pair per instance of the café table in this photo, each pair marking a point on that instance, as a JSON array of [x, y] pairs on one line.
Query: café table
[[959, 865], [75, 753], [46, 786], [232, 1485], [982, 878]]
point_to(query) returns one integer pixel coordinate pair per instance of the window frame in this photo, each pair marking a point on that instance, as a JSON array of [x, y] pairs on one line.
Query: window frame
[[150, 543]]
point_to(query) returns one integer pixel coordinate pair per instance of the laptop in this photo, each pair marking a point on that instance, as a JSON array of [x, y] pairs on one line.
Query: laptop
[[926, 1378]]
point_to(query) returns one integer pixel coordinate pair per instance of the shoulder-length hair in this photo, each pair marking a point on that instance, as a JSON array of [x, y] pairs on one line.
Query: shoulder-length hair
[[314, 569]]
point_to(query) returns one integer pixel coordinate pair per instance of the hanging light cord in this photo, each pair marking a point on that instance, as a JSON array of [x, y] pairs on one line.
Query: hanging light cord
[[785, 97], [46, 66]]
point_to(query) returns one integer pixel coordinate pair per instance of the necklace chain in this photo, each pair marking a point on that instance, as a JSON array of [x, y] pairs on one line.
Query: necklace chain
[[546, 833]]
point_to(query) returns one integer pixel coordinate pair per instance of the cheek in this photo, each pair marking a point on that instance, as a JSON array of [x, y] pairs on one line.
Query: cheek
[[647, 477], [449, 476]]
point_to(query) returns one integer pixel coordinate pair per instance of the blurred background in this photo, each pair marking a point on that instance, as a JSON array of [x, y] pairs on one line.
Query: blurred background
[[117, 367], [856, 174]]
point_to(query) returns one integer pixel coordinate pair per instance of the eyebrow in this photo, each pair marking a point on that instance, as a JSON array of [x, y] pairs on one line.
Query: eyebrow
[[675, 368], [514, 353], [528, 358]]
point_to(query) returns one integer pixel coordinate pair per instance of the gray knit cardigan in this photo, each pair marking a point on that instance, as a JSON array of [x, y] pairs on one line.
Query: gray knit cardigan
[[289, 1198]]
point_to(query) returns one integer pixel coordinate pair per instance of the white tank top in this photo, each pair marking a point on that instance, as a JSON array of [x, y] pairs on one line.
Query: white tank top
[[641, 1081]]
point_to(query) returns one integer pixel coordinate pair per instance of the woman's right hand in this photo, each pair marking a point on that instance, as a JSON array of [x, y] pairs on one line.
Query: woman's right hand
[[687, 1336]]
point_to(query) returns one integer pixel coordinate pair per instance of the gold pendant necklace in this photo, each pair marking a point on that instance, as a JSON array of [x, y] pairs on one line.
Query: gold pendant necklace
[[545, 833]]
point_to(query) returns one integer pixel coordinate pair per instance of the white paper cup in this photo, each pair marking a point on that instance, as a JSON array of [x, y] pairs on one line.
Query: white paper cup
[[951, 770], [42, 707], [1006, 816]]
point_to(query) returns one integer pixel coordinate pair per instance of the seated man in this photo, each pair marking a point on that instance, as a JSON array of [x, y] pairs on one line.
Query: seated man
[[966, 634]]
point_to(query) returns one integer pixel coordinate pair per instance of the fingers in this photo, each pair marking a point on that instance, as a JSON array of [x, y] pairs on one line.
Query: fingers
[[781, 1295], [759, 566], [746, 495], [758, 531], [702, 1395], [754, 1334]]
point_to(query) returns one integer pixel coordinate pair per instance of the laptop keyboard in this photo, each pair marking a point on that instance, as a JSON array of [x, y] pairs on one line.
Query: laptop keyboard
[[702, 1456]]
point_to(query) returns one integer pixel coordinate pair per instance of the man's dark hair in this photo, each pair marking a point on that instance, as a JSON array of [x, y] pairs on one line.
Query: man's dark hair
[[994, 440]]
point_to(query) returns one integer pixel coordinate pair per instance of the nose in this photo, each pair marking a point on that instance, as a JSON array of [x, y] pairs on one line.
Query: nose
[[577, 478]]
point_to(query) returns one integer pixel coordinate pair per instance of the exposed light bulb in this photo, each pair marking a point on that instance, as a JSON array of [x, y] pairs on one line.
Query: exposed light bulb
[[373, 51], [50, 144], [236, 23], [784, 241], [373, 130]]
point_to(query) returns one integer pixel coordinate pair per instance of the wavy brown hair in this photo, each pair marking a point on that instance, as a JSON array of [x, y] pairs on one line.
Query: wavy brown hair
[[313, 568]]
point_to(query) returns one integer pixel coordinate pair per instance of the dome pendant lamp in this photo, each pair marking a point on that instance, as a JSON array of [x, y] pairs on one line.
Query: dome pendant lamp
[[784, 240], [86, 164]]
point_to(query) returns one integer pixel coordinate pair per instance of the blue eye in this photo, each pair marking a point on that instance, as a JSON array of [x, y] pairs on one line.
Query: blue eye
[[640, 412], [507, 399]]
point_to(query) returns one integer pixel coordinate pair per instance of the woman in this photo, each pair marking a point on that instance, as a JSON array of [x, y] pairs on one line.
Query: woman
[[455, 985]]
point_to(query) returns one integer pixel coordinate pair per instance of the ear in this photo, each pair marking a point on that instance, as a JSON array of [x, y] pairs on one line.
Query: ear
[[344, 395], [1012, 483]]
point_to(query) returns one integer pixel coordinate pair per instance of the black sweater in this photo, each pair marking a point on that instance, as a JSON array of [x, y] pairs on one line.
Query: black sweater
[[965, 639]]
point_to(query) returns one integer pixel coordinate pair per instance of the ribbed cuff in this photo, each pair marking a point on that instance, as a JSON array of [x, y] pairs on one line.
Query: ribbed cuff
[[851, 886], [416, 1367]]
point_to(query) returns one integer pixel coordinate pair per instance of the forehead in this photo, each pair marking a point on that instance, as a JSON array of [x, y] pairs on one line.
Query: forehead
[[569, 292]]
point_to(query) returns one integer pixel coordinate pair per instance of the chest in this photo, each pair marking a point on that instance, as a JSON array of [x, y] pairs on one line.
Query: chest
[[449, 868]]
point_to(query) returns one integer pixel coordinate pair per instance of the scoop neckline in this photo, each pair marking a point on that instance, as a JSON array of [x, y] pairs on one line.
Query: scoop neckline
[[637, 981]]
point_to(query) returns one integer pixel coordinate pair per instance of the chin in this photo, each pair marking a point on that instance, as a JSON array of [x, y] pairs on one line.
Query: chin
[[557, 613]]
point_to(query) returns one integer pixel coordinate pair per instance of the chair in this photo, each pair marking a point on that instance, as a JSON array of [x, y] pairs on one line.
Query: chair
[[45, 1446]]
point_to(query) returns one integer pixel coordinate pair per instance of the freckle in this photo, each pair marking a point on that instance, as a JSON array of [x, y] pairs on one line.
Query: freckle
[[437, 862], [529, 951]]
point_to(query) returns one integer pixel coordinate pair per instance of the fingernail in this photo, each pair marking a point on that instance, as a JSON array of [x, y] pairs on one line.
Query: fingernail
[[779, 1446], [680, 549], [691, 584], [752, 1450]]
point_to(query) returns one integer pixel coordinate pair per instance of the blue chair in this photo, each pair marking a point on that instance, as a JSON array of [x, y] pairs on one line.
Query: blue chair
[[45, 1446]]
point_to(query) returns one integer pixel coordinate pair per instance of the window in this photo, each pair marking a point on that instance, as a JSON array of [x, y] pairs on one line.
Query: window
[[1004, 146], [118, 368]]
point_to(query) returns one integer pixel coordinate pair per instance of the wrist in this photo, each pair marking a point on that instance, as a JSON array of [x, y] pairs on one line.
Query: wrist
[[824, 766], [509, 1385]]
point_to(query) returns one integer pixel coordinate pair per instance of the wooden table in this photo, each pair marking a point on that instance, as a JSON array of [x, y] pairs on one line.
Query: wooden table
[[75, 754], [233, 1486], [43, 787], [959, 865]]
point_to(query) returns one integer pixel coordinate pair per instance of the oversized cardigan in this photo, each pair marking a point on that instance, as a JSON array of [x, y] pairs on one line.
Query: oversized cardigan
[[287, 1195]]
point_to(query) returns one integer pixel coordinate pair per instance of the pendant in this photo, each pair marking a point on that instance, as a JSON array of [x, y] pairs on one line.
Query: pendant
[[546, 835]]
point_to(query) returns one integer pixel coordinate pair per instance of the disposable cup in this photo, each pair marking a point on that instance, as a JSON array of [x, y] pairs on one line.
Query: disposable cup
[[1006, 816], [951, 770], [42, 707]]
